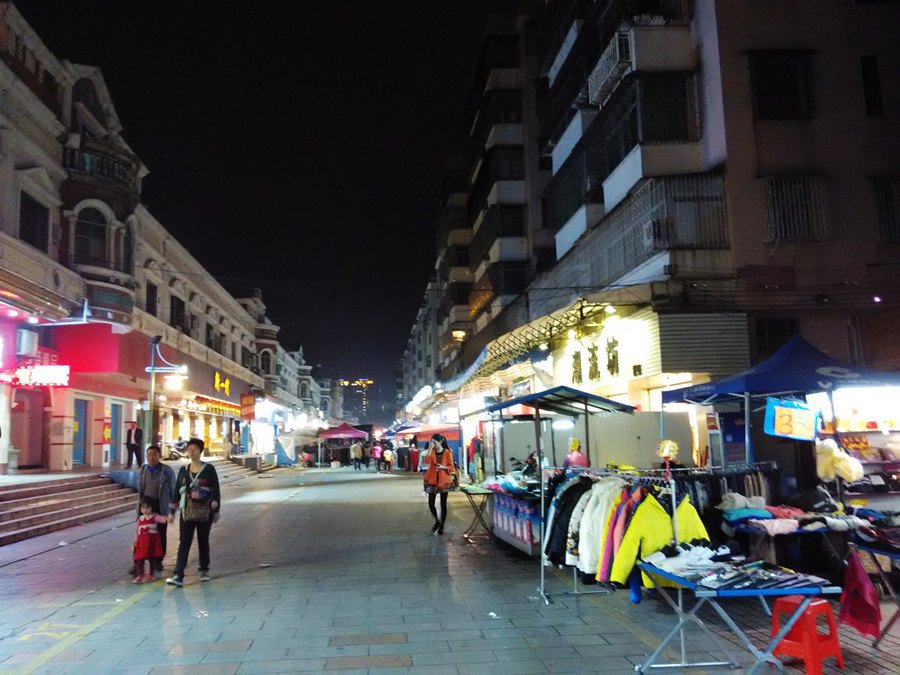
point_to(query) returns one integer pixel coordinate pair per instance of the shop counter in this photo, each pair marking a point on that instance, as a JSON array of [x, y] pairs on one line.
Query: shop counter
[[517, 521]]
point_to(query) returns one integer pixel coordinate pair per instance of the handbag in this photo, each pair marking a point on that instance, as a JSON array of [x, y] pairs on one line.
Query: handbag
[[196, 511]]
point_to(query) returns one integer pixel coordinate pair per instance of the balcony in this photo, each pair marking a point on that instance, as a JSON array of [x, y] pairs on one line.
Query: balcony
[[498, 52], [498, 165], [34, 282], [454, 295], [104, 161], [502, 278], [613, 64], [500, 221], [44, 86], [453, 257]]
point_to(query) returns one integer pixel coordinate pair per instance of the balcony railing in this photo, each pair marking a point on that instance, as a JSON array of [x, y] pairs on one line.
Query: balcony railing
[[502, 278], [104, 160], [454, 256], [501, 220], [665, 213], [84, 260], [613, 64]]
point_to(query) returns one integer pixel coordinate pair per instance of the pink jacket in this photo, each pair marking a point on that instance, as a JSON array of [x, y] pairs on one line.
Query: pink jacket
[[607, 554]]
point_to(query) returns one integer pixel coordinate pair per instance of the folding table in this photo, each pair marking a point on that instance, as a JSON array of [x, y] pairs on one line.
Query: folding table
[[478, 499], [894, 557], [712, 596]]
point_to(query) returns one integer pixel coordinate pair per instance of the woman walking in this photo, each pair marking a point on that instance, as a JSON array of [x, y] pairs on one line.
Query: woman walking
[[437, 461], [196, 494]]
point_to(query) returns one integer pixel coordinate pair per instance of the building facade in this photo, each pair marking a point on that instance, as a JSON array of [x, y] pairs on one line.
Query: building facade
[[723, 176]]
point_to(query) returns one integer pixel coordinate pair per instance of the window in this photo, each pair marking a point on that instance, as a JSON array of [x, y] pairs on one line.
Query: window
[[34, 222], [128, 251], [234, 352], [781, 85], [176, 313], [872, 86], [265, 361], [150, 299], [90, 238], [772, 333], [796, 208], [887, 207], [665, 110], [304, 390]]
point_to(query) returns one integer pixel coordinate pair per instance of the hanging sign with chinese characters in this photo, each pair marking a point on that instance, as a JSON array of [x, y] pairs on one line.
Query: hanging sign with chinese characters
[[37, 376]]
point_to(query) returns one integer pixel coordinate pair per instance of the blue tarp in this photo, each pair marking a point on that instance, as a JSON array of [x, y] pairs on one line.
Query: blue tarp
[[797, 368], [281, 456]]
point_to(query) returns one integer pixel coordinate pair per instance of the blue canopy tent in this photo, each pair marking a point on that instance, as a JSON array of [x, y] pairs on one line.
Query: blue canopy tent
[[797, 369]]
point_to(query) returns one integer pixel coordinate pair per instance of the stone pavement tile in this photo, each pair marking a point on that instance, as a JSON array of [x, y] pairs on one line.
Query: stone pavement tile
[[18, 659], [566, 641], [585, 629], [616, 664], [444, 658], [192, 647], [535, 632], [304, 652], [537, 654], [368, 639], [469, 645], [480, 624], [68, 657], [283, 666], [199, 669], [604, 651], [383, 661], [422, 670], [409, 627], [511, 667], [446, 635], [252, 655], [410, 648], [366, 619], [559, 620]]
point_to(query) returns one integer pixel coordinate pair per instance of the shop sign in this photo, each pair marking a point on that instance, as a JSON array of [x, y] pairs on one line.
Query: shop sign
[[107, 432], [248, 406], [222, 384], [789, 419], [37, 376]]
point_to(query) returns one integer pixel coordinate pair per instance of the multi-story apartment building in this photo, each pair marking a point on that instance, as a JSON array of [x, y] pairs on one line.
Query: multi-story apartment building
[[724, 175]]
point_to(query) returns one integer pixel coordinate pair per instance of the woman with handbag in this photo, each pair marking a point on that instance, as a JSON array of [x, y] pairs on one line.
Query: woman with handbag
[[196, 494], [440, 471]]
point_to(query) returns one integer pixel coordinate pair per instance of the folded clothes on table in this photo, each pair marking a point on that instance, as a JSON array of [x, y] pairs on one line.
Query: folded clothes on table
[[733, 500], [776, 525], [738, 516], [785, 511]]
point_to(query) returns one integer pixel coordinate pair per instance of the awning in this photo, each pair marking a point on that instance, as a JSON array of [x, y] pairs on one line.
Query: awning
[[564, 401], [430, 429]]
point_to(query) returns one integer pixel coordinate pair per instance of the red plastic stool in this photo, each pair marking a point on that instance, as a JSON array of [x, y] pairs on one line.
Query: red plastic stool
[[804, 640]]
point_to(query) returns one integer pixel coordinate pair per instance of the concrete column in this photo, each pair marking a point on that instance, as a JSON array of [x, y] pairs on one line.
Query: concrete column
[[5, 405]]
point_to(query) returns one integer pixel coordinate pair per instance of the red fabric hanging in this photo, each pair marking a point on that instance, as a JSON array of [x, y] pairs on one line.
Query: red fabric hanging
[[860, 607]]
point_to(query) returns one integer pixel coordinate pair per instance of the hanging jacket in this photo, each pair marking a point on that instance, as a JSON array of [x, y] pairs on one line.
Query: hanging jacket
[[651, 530], [615, 543], [606, 550], [574, 535], [553, 511], [860, 607], [556, 545], [592, 535]]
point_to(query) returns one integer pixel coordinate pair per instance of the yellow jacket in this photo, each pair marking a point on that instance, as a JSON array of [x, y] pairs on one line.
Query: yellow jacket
[[651, 530]]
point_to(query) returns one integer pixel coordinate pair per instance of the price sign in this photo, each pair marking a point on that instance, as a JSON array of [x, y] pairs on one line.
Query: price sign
[[790, 419]]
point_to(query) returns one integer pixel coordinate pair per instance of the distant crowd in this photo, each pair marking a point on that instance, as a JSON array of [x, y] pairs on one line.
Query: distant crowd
[[382, 453]]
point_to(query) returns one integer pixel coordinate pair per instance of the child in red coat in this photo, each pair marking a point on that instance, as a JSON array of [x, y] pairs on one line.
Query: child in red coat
[[147, 545]]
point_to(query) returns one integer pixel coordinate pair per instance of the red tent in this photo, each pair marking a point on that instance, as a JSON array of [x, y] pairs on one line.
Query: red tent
[[343, 431]]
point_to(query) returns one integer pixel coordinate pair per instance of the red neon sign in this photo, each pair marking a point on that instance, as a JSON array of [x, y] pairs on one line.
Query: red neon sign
[[37, 376]]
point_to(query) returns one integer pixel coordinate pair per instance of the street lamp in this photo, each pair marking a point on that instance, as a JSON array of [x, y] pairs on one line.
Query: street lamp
[[153, 369]]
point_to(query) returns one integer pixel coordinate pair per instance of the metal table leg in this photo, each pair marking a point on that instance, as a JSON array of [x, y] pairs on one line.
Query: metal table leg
[[890, 589]]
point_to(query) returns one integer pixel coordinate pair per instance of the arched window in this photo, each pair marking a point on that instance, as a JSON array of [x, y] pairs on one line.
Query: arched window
[[90, 238], [265, 361], [304, 390]]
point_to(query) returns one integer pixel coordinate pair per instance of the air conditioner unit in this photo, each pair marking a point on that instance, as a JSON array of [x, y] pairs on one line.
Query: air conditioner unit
[[26, 342]]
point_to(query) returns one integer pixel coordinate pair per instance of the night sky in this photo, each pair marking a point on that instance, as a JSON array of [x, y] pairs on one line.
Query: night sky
[[293, 146]]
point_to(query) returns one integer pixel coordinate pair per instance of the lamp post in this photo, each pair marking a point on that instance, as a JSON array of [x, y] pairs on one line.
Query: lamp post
[[153, 369]]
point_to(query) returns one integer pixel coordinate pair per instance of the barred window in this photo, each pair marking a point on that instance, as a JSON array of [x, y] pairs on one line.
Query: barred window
[[886, 191], [796, 208]]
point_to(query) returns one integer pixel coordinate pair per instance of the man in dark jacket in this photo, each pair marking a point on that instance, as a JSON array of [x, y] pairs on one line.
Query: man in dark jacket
[[134, 440], [157, 481]]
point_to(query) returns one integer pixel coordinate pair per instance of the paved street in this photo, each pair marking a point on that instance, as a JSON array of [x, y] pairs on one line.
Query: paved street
[[321, 570]]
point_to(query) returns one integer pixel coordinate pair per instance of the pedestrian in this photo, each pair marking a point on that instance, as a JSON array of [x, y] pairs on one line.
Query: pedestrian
[[134, 440], [387, 455], [147, 546], [437, 460], [356, 452], [156, 481], [196, 494], [376, 455]]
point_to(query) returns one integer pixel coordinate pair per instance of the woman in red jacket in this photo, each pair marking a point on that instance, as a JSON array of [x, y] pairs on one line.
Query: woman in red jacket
[[437, 461]]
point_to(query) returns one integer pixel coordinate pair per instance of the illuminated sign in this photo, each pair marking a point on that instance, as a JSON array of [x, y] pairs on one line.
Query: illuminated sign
[[248, 406], [221, 384], [37, 376], [790, 419]]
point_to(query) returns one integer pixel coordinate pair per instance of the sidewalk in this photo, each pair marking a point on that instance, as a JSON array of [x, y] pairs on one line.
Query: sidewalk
[[327, 570]]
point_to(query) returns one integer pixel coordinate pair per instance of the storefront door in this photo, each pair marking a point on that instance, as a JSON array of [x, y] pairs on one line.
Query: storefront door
[[115, 438], [80, 424], [26, 426]]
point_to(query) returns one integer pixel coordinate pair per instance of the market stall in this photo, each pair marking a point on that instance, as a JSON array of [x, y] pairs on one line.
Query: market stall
[[342, 432]]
